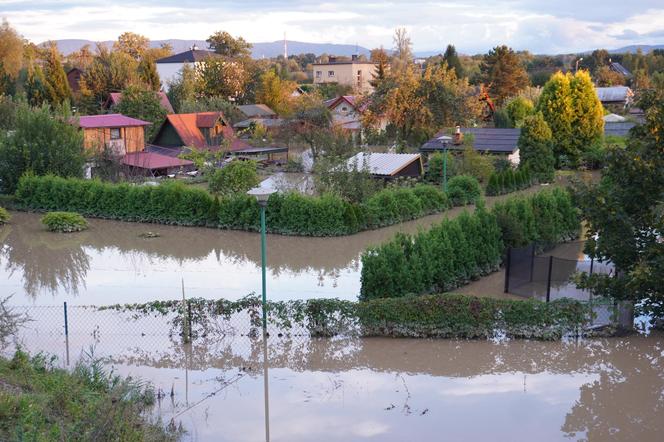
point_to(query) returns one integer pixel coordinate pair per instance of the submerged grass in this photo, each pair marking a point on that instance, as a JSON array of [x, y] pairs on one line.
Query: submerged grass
[[39, 402]]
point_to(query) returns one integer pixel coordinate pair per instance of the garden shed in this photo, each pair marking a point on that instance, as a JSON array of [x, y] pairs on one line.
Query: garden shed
[[387, 165]]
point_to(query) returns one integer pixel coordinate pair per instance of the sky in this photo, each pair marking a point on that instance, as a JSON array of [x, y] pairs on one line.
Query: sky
[[473, 26]]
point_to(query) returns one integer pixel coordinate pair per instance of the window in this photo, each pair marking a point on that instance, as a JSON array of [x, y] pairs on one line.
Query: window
[[115, 133], [319, 74], [330, 73], [359, 72]]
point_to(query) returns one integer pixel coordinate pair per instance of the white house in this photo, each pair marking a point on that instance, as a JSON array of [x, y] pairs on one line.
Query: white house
[[169, 68]]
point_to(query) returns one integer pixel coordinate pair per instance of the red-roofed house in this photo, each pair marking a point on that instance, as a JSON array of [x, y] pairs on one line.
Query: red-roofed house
[[114, 99], [347, 113], [203, 130], [120, 133]]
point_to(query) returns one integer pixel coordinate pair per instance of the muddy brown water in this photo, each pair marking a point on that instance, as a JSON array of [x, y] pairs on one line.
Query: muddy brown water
[[396, 389], [112, 263]]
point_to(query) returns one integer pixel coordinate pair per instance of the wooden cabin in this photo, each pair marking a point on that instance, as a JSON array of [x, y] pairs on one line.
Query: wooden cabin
[[202, 130], [120, 133]]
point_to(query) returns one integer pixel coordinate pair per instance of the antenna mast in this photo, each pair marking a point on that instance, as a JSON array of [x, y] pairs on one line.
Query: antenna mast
[[285, 47]]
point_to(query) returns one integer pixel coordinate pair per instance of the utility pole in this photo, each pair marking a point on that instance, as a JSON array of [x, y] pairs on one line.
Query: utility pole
[[285, 47]]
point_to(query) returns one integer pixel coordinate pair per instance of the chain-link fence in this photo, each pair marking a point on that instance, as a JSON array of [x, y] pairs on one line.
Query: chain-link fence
[[549, 278]]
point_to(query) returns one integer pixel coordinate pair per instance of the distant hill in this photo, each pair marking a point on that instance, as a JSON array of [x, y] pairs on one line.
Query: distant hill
[[633, 48], [260, 50]]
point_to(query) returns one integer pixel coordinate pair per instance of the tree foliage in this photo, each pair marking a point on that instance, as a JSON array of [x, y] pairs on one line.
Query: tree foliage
[[237, 177], [57, 86], [41, 143], [275, 92], [145, 105], [535, 148], [503, 72], [452, 59], [226, 45], [132, 44], [11, 56], [555, 104]]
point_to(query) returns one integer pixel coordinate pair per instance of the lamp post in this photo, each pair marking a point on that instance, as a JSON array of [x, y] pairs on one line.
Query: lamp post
[[445, 140], [577, 64], [262, 194]]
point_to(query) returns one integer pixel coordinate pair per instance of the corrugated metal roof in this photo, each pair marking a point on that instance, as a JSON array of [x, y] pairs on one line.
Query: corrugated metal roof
[[109, 120], [620, 129], [485, 139], [385, 164], [256, 110], [617, 67], [614, 94]]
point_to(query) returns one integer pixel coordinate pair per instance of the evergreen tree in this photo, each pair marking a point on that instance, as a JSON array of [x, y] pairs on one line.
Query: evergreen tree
[[503, 71], [588, 113], [147, 72], [555, 104], [35, 86], [57, 86], [535, 148], [453, 61]]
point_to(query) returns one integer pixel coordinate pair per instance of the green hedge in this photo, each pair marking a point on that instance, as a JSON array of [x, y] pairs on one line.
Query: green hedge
[[64, 222], [456, 251], [175, 203], [4, 216], [507, 181], [440, 316]]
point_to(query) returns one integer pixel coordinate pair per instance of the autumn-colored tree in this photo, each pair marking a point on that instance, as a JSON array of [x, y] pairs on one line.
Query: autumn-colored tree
[[555, 104], [535, 149], [82, 58], [604, 76], [311, 122], [275, 92], [147, 72], [641, 80], [382, 60], [183, 88], [588, 113], [11, 56], [35, 85], [164, 50], [57, 86], [452, 59], [222, 77], [403, 50], [226, 45], [503, 71], [132, 44]]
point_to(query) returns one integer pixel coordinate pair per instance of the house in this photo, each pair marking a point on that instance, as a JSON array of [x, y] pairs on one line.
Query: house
[[114, 99], [387, 165], [169, 68], [617, 67], [202, 130], [490, 140], [74, 79], [258, 114], [354, 73], [120, 133], [615, 98], [616, 125], [297, 92], [345, 112]]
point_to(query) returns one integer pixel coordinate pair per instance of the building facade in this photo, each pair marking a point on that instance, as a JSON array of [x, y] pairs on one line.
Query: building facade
[[355, 73]]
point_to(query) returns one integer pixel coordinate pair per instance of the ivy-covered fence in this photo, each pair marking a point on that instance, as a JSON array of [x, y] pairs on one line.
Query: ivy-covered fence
[[457, 251], [175, 203], [431, 316]]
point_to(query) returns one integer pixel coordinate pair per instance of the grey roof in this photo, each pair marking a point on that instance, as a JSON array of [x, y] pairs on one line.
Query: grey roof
[[256, 110], [613, 118], [266, 122], [617, 67], [614, 94], [260, 150], [384, 164], [485, 139], [620, 129], [189, 56]]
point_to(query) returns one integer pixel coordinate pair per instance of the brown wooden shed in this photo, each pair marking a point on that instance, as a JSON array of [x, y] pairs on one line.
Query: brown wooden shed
[[121, 133]]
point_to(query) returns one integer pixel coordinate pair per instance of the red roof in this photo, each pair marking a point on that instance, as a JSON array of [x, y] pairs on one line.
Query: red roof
[[188, 128], [350, 99], [152, 161], [109, 120], [114, 98]]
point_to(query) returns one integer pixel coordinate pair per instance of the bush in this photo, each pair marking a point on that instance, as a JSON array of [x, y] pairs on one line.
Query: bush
[[64, 222], [463, 190], [508, 181], [536, 148], [456, 251], [237, 177], [4, 216]]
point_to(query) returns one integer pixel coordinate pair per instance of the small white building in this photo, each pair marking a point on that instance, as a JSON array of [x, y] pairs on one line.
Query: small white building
[[169, 68]]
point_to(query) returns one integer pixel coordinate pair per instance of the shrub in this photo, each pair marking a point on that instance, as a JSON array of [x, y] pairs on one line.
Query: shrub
[[456, 251], [64, 222], [508, 181], [463, 190], [236, 177], [4, 216]]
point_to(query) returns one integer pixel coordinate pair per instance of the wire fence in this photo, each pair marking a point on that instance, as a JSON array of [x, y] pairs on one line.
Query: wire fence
[[549, 278]]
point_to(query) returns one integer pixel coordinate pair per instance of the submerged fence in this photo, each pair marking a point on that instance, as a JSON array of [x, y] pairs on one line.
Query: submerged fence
[[549, 278]]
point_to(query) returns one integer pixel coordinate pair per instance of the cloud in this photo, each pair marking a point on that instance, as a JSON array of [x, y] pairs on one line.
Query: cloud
[[473, 26]]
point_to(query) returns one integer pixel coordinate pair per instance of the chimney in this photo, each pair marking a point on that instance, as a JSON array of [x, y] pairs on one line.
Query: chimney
[[331, 59], [194, 47], [458, 136], [354, 57]]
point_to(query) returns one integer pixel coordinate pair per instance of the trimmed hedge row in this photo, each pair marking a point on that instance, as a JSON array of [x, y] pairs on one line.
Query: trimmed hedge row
[[508, 181], [175, 203], [456, 251], [429, 316]]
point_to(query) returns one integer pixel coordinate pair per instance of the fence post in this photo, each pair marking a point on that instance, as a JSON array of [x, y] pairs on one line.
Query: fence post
[[66, 321], [592, 263], [548, 280], [189, 319], [508, 264], [532, 261]]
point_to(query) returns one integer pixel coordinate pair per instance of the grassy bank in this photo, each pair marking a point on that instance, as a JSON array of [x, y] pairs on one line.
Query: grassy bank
[[39, 402]]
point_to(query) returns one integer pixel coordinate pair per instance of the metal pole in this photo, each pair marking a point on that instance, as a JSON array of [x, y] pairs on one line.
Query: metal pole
[[263, 261], [66, 321], [266, 389], [548, 281], [445, 167], [508, 264]]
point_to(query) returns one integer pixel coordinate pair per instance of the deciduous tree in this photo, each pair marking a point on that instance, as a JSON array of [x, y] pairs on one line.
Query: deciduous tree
[[11, 56], [132, 44], [275, 92], [144, 104], [225, 44]]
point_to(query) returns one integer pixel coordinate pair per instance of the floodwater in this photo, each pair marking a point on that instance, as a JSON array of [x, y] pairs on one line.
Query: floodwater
[[396, 389], [112, 263]]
